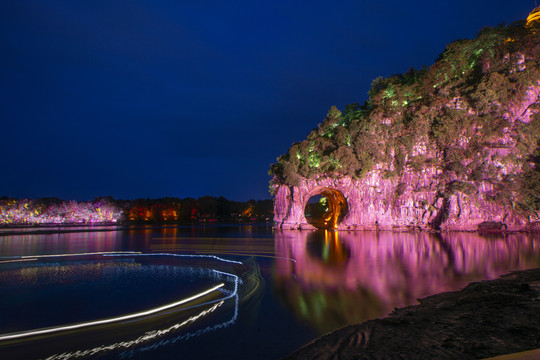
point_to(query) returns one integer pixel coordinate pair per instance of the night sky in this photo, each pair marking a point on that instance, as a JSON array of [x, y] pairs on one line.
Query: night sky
[[137, 99]]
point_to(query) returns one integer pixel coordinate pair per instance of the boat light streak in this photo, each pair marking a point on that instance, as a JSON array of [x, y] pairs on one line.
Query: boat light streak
[[151, 335], [127, 344], [18, 260], [109, 253], [109, 320], [182, 255], [255, 255], [132, 352]]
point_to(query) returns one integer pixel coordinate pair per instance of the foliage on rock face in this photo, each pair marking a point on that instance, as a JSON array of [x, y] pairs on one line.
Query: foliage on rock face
[[455, 115]]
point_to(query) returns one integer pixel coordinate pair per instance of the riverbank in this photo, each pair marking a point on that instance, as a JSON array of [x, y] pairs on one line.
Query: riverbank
[[485, 319]]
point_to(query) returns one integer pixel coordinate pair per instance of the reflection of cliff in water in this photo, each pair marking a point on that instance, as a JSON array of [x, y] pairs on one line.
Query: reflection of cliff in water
[[349, 277]]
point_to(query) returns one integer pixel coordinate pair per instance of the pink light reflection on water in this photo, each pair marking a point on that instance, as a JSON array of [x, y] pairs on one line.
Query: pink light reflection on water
[[59, 243], [341, 278]]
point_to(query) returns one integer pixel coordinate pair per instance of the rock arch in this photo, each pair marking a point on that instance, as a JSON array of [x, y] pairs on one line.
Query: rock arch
[[290, 203], [336, 208], [410, 202]]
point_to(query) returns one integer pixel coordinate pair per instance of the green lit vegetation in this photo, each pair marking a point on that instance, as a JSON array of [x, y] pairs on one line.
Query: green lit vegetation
[[458, 108]]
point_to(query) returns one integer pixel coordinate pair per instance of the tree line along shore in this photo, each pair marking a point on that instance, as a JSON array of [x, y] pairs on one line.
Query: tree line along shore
[[107, 210]]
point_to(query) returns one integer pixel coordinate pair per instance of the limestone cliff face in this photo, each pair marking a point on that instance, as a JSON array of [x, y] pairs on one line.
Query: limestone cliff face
[[421, 198], [411, 202], [456, 147]]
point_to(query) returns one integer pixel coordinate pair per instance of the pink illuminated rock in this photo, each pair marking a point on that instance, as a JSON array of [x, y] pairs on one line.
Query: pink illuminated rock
[[456, 150], [412, 201]]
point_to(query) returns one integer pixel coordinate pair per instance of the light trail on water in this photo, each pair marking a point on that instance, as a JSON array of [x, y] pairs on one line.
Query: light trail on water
[[18, 260], [184, 255], [109, 320], [127, 344], [254, 255], [82, 254], [151, 335]]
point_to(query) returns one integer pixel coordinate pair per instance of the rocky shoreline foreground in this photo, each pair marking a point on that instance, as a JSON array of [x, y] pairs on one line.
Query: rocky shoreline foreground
[[485, 319]]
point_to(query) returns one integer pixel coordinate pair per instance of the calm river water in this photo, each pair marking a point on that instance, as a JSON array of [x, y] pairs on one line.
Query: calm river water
[[228, 292]]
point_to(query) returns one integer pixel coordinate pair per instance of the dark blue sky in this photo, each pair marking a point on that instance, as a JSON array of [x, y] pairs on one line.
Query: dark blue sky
[[190, 98]]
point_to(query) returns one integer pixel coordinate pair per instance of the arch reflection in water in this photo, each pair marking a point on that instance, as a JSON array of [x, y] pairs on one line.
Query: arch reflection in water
[[326, 246], [349, 277]]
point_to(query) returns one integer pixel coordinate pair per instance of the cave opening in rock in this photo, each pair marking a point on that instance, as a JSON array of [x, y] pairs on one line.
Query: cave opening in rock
[[325, 208]]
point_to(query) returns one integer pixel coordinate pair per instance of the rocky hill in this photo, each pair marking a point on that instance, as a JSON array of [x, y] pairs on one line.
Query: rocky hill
[[453, 146]]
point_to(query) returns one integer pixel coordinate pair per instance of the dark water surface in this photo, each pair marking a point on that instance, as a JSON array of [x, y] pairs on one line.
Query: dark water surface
[[277, 290]]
